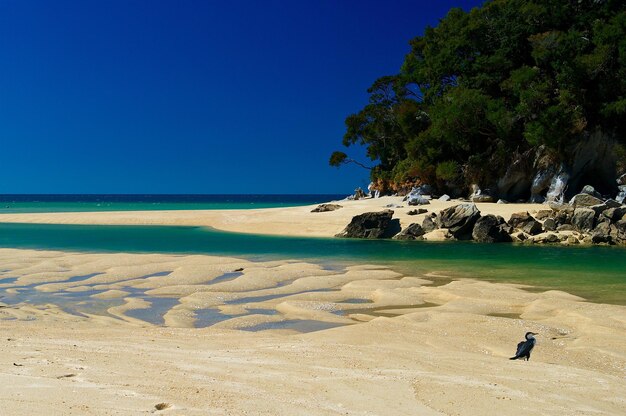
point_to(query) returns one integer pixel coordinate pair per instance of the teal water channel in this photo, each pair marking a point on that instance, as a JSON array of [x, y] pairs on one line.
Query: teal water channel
[[595, 273]]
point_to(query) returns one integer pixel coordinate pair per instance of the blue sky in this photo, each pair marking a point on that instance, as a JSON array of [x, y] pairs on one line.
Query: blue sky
[[147, 96]]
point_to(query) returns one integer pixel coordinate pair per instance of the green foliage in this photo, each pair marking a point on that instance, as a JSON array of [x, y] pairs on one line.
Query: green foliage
[[499, 80], [337, 159], [448, 171]]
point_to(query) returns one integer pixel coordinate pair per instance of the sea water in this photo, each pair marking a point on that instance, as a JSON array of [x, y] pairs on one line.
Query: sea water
[[151, 202]]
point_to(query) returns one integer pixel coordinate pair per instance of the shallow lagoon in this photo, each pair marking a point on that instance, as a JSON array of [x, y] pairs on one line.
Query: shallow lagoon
[[595, 273]]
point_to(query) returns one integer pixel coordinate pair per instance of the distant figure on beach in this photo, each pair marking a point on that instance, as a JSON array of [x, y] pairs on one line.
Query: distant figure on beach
[[525, 347]]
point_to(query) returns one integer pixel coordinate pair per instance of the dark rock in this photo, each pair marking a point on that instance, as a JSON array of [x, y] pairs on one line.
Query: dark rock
[[558, 206], [543, 214], [417, 211], [519, 218], [551, 239], [583, 219], [525, 222], [590, 190], [532, 227], [609, 203], [621, 180], [549, 224], [620, 230], [563, 217], [428, 225], [600, 238], [372, 225], [489, 229], [459, 220], [614, 214], [593, 162], [602, 228], [541, 183], [412, 232], [584, 200], [518, 178], [326, 208]]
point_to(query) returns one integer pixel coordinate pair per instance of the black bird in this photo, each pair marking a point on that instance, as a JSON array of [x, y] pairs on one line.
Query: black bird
[[525, 347]]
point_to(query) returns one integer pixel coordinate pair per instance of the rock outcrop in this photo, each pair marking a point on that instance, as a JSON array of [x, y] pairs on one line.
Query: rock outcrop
[[372, 225], [584, 200], [459, 220], [412, 232], [491, 229], [600, 223]]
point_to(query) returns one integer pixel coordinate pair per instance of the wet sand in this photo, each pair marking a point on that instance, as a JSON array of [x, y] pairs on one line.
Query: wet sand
[[231, 341]]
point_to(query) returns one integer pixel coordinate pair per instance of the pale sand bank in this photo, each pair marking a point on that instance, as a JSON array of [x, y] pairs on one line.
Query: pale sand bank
[[449, 359], [294, 221]]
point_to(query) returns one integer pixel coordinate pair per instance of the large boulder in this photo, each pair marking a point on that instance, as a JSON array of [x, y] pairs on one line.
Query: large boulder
[[491, 229], [412, 232], [590, 190], [614, 214], [583, 219], [372, 225], [459, 220], [519, 218], [525, 222], [602, 233], [549, 224], [533, 227], [585, 200], [600, 208], [428, 224]]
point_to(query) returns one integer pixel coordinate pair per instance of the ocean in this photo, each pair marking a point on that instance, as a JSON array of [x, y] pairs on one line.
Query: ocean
[[22, 203]]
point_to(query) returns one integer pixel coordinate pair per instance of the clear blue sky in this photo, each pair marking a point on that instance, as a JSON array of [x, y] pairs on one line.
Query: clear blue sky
[[148, 96]]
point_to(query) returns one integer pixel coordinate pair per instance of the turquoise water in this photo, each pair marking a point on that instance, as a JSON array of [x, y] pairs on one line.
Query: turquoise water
[[596, 273], [11, 204]]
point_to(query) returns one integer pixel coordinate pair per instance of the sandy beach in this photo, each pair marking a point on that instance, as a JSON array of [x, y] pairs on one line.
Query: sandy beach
[[293, 221], [231, 343]]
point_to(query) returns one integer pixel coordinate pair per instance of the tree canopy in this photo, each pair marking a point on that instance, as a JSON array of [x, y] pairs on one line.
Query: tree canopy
[[494, 82]]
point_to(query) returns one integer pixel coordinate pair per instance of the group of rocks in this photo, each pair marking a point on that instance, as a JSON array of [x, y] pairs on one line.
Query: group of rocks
[[587, 219]]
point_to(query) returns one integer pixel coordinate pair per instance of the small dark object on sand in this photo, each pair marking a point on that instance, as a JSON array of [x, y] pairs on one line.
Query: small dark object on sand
[[525, 347]]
